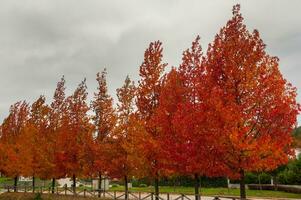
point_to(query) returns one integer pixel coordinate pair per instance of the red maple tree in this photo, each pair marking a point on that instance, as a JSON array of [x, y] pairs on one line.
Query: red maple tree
[[186, 121], [104, 120], [56, 113], [122, 141], [34, 141], [75, 130], [257, 105], [148, 93], [12, 130]]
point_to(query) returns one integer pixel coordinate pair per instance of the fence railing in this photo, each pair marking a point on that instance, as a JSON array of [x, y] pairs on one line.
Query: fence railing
[[114, 195]]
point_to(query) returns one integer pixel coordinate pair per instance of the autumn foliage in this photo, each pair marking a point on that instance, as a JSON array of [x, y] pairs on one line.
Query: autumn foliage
[[220, 113]]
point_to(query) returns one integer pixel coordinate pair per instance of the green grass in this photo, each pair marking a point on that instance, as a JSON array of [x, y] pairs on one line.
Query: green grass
[[38, 182], [82, 187], [5, 180], [213, 191]]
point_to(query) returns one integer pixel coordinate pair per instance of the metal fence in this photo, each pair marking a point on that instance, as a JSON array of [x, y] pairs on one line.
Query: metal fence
[[114, 195]]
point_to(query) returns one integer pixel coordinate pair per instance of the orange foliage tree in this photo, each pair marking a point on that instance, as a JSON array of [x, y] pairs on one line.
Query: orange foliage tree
[[256, 104], [148, 93], [12, 131], [122, 140], [104, 120], [34, 141], [187, 126], [56, 114], [75, 130]]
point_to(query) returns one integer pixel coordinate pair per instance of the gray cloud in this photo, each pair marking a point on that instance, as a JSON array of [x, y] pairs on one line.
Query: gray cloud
[[42, 40]]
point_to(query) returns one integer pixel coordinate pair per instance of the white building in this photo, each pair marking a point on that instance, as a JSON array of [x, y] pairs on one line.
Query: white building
[[25, 179], [104, 184], [297, 152], [66, 182]]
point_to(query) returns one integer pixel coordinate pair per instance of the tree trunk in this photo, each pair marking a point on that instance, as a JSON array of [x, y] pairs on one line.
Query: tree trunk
[[157, 188], [197, 187], [53, 185], [259, 181], [15, 183], [99, 184], [276, 183], [174, 185], [33, 184], [242, 185], [126, 197], [74, 184]]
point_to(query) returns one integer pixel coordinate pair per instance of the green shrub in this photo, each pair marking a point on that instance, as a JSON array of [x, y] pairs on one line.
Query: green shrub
[[291, 175], [264, 178], [142, 185], [250, 178], [114, 185]]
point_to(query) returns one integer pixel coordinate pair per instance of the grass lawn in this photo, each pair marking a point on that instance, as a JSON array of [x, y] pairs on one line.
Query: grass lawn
[[214, 191], [6, 180], [38, 182]]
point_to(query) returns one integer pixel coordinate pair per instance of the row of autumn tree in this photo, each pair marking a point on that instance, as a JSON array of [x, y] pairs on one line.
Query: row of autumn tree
[[222, 113]]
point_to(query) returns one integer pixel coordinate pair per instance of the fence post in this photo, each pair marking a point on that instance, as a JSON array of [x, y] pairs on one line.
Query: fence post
[[139, 194], [8, 189], [114, 195], [167, 196], [25, 189], [57, 190], [152, 196], [85, 192], [65, 189], [182, 196]]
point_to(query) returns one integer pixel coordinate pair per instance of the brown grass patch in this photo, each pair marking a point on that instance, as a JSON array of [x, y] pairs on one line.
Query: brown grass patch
[[29, 196]]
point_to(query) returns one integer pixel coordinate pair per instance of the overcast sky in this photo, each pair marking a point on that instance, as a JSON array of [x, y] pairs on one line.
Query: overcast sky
[[42, 40]]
